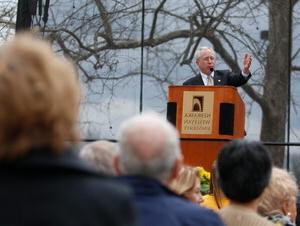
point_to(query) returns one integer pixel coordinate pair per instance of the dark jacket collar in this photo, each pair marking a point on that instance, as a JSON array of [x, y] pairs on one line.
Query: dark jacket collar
[[44, 159], [143, 185]]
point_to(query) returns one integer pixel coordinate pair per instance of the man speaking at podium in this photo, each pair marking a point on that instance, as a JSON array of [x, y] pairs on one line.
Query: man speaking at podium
[[205, 60]]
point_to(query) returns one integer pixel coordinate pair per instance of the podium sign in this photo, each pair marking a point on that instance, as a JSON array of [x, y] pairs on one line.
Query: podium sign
[[197, 112], [210, 112], [206, 117]]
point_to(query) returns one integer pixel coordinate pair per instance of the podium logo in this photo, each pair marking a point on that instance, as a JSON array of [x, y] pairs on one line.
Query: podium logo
[[197, 104], [197, 112]]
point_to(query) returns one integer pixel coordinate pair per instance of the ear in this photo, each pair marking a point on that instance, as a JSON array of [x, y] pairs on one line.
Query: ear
[[116, 164], [176, 168], [285, 207]]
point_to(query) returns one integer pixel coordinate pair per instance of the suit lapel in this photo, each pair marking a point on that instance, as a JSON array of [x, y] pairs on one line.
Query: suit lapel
[[217, 79], [199, 80]]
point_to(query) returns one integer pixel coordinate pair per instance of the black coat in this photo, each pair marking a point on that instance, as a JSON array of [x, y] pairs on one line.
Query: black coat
[[43, 189], [221, 78]]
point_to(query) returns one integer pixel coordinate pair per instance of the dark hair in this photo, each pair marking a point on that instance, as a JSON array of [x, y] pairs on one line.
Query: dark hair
[[244, 169], [214, 187]]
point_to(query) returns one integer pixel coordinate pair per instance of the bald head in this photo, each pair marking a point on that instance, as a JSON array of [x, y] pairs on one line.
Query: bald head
[[148, 146], [146, 136]]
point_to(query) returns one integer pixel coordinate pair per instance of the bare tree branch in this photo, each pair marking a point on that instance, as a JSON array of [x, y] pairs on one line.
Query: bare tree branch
[[104, 16], [153, 27]]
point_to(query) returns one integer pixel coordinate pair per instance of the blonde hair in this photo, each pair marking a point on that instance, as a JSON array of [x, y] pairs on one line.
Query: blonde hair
[[39, 97], [185, 180], [282, 187]]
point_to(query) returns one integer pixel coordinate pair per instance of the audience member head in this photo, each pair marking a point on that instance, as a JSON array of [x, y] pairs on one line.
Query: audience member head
[[187, 184], [243, 170], [280, 196], [100, 154], [149, 146], [39, 97]]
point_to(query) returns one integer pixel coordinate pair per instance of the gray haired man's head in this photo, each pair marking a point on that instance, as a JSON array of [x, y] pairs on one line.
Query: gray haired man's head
[[200, 52], [149, 146]]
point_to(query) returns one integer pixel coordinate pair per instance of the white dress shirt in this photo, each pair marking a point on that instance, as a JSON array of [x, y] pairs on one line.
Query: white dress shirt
[[205, 77]]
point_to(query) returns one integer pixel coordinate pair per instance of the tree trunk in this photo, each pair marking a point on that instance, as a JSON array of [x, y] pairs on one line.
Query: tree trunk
[[276, 78]]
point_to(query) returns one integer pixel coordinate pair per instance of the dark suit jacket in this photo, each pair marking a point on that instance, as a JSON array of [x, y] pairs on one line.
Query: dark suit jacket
[[158, 206], [43, 189], [221, 78]]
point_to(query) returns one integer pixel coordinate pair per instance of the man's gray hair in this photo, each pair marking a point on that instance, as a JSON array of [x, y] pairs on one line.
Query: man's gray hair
[[138, 157], [199, 52], [100, 155]]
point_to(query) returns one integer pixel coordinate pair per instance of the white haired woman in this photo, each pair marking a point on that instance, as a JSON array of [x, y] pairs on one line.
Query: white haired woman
[[278, 202]]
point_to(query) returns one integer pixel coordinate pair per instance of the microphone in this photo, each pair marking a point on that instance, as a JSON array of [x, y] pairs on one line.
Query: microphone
[[211, 69]]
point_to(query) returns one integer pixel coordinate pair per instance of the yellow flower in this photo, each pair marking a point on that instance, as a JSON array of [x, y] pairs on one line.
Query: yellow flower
[[204, 179]]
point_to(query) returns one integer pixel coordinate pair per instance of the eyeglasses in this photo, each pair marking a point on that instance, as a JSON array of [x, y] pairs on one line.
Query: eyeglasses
[[208, 58]]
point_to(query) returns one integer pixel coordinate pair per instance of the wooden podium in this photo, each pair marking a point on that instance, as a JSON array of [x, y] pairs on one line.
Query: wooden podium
[[206, 117]]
